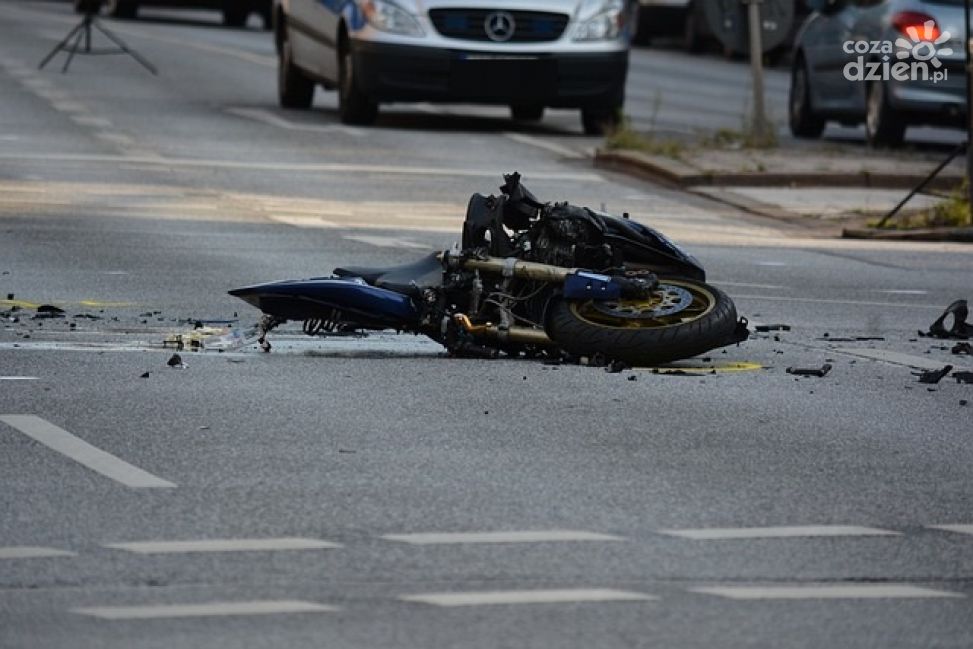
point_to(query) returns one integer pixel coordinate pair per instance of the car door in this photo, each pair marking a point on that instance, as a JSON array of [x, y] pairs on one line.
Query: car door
[[825, 43]]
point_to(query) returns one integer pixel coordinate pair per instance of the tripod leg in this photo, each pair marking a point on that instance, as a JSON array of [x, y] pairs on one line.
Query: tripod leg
[[72, 51], [125, 48], [960, 148], [60, 46]]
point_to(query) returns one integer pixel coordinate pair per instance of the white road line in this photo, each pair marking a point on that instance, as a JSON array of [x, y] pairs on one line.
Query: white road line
[[31, 552], [385, 242], [895, 358], [267, 117], [88, 120], [223, 545], [209, 609], [959, 529], [826, 591], [797, 531], [719, 282], [18, 378], [811, 300], [536, 536], [309, 167], [538, 143], [487, 598], [69, 106], [891, 291], [60, 440]]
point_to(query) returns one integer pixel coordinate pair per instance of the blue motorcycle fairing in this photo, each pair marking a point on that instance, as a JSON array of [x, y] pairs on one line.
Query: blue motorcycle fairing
[[642, 245], [317, 298]]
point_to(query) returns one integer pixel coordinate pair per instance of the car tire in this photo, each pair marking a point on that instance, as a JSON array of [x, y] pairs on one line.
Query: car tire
[[804, 122], [87, 6], [884, 126], [692, 40], [235, 13], [354, 106], [599, 121], [527, 112], [294, 88], [121, 8]]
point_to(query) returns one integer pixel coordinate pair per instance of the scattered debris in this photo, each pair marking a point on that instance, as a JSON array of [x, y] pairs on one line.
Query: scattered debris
[[963, 402], [175, 361], [962, 348], [48, 311], [144, 375], [87, 316], [933, 376], [204, 427], [633, 377], [958, 311], [810, 371], [617, 366], [963, 377], [772, 327]]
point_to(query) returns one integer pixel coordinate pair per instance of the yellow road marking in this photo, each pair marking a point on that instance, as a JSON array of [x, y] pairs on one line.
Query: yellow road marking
[[22, 304], [719, 368]]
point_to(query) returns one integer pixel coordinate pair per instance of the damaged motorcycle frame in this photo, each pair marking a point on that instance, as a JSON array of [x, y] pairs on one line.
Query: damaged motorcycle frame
[[530, 278]]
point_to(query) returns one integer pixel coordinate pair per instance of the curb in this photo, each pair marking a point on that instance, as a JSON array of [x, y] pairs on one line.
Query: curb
[[679, 174], [960, 235]]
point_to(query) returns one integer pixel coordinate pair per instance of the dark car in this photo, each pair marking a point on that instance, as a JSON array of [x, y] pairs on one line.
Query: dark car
[[235, 12]]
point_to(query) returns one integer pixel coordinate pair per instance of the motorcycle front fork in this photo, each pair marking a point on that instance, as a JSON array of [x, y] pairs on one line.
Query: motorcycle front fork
[[266, 324]]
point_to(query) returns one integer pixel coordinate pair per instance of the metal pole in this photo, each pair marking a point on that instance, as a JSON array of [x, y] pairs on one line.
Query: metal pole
[[969, 110], [759, 126]]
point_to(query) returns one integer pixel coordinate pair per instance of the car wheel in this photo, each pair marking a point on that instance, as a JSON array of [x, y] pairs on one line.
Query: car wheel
[[121, 8], [884, 126], [294, 88], [87, 6], [527, 112], [804, 122], [599, 121], [692, 41], [235, 13], [354, 106]]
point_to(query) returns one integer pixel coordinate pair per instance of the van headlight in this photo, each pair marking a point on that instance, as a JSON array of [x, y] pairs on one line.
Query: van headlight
[[390, 17], [605, 25]]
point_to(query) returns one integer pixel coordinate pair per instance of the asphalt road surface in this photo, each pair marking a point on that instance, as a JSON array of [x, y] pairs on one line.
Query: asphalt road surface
[[372, 493]]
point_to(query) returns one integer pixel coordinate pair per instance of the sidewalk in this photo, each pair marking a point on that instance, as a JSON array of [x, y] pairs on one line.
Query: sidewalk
[[841, 184]]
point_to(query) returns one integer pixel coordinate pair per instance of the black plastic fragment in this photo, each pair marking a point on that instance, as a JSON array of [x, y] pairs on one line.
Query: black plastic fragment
[[48, 311], [810, 371], [963, 377], [960, 328], [962, 348], [174, 361], [933, 376], [617, 366], [772, 327]]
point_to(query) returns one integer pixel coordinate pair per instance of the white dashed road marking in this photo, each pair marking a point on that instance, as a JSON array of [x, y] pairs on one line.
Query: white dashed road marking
[[30, 552], [797, 531], [903, 292], [18, 378], [223, 545], [487, 598], [210, 609], [60, 440], [552, 147], [959, 529], [267, 117], [821, 591], [539, 536]]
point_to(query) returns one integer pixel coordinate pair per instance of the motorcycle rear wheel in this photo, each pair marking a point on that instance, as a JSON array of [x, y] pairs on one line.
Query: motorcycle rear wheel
[[683, 318]]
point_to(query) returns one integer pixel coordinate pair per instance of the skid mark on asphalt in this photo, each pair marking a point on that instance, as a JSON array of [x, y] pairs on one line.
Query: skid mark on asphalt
[[74, 448]]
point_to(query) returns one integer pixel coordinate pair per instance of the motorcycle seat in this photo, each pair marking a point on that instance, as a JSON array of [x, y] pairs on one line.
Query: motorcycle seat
[[407, 279]]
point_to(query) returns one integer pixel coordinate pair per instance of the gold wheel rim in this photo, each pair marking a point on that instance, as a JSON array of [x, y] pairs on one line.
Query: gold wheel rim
[[703, 302]]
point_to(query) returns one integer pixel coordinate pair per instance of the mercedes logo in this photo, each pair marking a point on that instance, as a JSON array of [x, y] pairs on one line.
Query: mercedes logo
[[499, 26]]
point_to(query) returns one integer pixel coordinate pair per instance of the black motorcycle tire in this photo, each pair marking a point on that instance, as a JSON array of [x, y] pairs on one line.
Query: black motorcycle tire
[[624, 339]]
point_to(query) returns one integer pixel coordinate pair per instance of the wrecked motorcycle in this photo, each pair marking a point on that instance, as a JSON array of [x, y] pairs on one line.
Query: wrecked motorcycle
[[531, 278]]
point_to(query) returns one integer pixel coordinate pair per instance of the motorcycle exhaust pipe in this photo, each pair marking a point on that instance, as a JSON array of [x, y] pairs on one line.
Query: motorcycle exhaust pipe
[[511, 334], [512, 267]]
